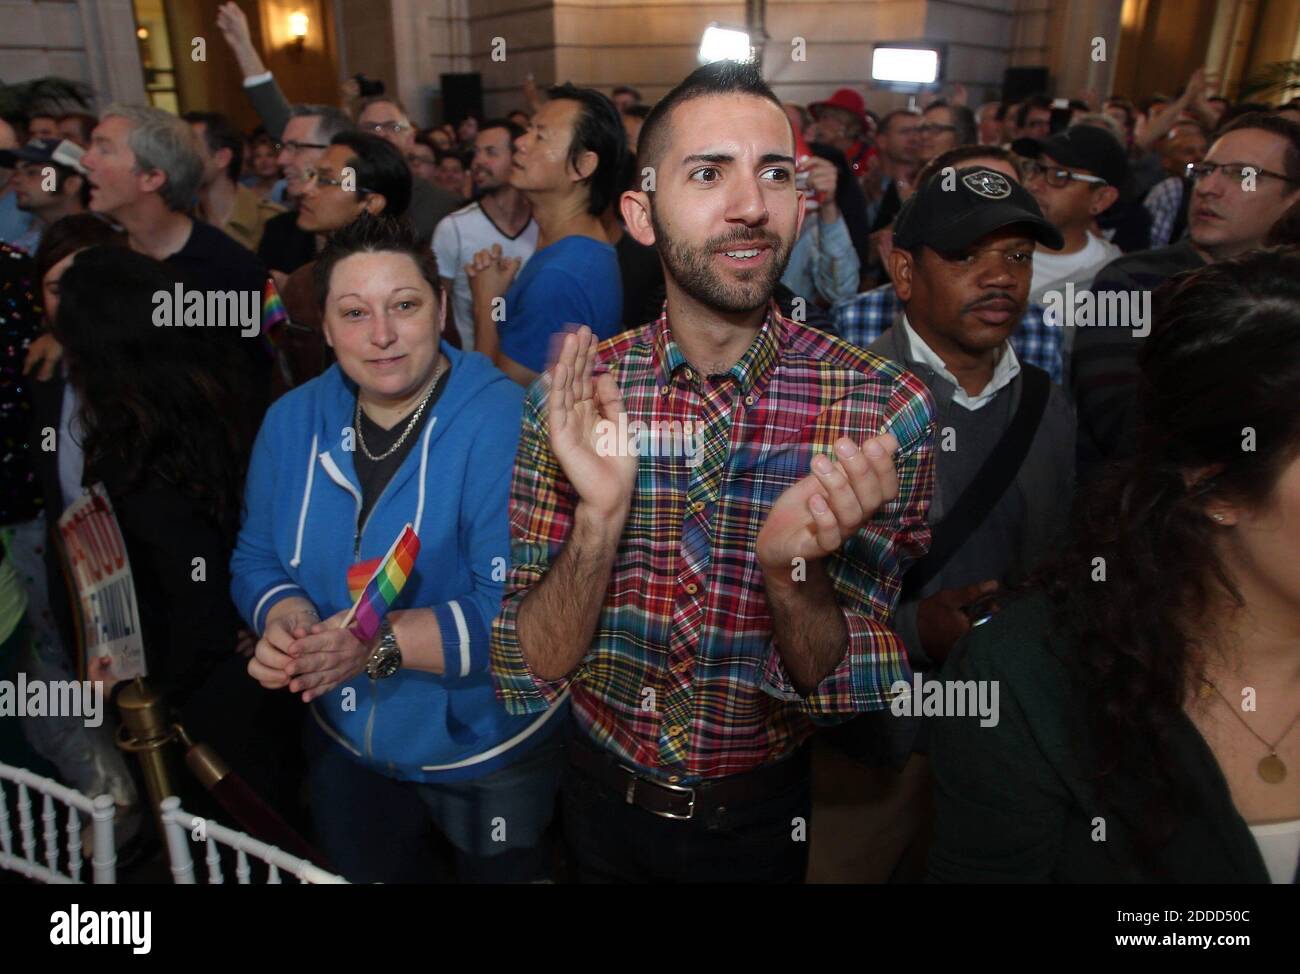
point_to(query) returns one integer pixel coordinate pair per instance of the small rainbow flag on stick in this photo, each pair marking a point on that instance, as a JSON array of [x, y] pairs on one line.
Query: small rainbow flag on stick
[[274, 315], [375, 593]]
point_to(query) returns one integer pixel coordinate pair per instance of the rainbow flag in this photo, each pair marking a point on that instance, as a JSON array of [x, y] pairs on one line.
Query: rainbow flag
[[274, 315], [374, 585]]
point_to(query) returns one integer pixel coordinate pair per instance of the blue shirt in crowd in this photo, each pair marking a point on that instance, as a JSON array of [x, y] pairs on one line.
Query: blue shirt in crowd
[[574, 281], [15, 224]]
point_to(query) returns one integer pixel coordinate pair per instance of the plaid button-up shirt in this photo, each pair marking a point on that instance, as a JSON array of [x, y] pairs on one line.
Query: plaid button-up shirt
[[682, 678], [864, 318]]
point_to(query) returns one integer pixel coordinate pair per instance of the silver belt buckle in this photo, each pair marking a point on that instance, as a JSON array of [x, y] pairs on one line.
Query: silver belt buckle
[[630, 795]]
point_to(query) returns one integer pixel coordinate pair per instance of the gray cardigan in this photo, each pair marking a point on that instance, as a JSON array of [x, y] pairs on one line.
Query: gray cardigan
[[1045, 479]]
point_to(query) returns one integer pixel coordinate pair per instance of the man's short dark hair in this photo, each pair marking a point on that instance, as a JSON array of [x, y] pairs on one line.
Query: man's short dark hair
[[627, 90], [373, 234], [439, 155], [1126, 106], [62, 174], [380, 168], [330, 121], [219, 134], [1277, 125], [598, 129], [888, 120], [393, 100], [513, 128], [964, 120], [86, 123], [718, 78], [959, 156], [637, 111], [1041, 102]]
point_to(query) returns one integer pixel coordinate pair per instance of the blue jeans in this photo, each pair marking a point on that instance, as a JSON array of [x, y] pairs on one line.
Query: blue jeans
[[377, 829]]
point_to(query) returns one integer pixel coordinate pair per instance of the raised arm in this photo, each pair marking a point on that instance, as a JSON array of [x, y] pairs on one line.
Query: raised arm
[[572, 497]]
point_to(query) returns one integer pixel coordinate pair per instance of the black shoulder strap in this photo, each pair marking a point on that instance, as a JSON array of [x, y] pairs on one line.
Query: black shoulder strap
[[991, 481]]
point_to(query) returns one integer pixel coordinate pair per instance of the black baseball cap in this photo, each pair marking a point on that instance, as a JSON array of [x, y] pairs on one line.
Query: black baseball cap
[[952, 211], [1080, 147]]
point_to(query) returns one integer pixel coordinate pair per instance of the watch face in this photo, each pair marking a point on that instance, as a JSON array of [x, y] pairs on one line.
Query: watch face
[[387, 664]]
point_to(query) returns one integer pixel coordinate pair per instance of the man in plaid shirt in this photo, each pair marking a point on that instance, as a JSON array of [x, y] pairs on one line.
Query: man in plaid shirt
[[710, 520], [864, 318]]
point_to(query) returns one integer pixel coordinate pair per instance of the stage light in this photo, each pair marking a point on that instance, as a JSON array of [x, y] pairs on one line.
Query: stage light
[[905, 65], [724, 44]]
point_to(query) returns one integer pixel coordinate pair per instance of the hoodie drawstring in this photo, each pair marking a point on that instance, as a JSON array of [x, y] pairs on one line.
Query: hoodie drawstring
[[306, 499], [424, 466]]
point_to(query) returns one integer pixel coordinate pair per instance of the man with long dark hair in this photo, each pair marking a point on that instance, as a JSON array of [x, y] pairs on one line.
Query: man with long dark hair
[[567, 165]]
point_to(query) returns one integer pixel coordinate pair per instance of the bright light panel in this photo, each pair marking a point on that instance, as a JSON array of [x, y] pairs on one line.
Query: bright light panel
[[905, 65], [724, 44]]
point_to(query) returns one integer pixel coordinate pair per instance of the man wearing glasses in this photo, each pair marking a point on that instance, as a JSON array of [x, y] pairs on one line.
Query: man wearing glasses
[[945, 127], [306, 135], [1075, 177], [1249, 178], [302, 134], [385, 117]]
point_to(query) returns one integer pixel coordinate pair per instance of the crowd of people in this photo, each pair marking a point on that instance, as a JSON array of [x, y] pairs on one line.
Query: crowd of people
[[729, 428]]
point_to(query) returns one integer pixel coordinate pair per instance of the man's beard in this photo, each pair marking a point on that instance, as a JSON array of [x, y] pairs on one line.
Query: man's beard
[[491, 185], [692, 268]]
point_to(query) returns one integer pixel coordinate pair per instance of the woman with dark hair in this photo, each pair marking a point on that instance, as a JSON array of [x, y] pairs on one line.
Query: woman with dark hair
[[86, 757], [1150, 690], [408, 747], [163, 423]]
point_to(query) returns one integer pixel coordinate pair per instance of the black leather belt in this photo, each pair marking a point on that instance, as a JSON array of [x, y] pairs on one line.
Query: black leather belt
[[681, 801]]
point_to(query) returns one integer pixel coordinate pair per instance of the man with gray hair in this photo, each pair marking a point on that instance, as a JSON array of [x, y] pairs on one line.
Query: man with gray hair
[[144, 168]]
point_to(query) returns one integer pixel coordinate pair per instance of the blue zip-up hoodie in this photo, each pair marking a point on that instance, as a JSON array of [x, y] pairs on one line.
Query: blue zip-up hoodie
[[298, 536]]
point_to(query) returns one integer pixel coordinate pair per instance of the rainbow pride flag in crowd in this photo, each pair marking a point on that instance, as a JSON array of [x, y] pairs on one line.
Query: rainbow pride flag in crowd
[[374, 585], [274, 315]]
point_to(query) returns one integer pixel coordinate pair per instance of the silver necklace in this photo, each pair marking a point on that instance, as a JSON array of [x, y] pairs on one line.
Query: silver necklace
[[415, 418]]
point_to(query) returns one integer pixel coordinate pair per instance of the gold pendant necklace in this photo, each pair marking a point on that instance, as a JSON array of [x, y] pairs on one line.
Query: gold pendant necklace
[[1270, 767]]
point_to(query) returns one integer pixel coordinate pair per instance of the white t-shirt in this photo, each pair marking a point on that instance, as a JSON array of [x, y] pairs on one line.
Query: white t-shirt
[[461, 235], [1279, 844], [1052, 270]]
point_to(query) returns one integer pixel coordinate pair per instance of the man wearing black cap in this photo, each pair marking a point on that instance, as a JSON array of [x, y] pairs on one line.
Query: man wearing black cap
[[1075, 176], [1004, 462], [961, 263]]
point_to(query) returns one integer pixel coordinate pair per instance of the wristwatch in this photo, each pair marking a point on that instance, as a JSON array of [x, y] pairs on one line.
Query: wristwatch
[[387, 657]]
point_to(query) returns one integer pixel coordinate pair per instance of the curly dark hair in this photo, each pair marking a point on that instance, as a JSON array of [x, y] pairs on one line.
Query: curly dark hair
[[158, 402], [1219, 384]]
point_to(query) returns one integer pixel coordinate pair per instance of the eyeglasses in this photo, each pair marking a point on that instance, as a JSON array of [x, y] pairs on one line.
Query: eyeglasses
[[934, 128], [294, 146], [1236, 171], [1057, 177], [380, 127], [311, 176]]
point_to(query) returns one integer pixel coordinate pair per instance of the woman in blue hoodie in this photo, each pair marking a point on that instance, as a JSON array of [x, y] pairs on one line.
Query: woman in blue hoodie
[[406, 742]]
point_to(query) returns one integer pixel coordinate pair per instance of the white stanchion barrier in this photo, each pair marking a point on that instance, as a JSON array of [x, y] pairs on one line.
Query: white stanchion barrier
[[25, 861], [182, 828]]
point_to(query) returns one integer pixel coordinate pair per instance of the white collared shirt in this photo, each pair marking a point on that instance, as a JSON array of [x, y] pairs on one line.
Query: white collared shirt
[[1006, 369]]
